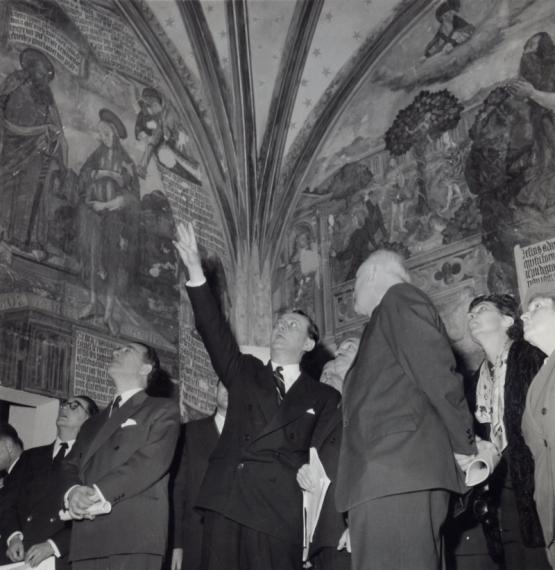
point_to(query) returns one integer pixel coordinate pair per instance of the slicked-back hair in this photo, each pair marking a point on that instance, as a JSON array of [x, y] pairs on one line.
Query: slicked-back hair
[[158, 383], [507, 305], [7, 431], [91, 408], [312, 330]]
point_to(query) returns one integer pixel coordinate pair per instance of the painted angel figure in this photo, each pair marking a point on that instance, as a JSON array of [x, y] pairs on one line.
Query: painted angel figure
[[453, 30], [158, 125]]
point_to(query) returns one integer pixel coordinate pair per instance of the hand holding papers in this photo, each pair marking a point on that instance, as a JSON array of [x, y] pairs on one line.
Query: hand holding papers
[[480, 466], [85, 502], [314, 481]]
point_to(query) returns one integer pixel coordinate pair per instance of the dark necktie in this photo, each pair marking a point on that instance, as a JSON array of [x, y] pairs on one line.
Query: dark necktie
[[280, 383], [60, 455], [115, 404]]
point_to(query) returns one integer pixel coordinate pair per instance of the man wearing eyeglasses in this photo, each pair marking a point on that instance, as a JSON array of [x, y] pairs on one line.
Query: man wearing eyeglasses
[[34, 531]]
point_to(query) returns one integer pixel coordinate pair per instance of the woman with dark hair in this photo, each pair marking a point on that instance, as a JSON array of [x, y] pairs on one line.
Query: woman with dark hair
[[497, 394]]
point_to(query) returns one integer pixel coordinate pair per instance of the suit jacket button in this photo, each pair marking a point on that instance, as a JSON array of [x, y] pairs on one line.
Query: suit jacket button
[[29, 518], [52, 519], [544, 411], [240, 466]]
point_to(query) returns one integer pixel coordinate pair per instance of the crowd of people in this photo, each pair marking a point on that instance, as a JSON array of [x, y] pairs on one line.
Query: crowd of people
[[426, 470]]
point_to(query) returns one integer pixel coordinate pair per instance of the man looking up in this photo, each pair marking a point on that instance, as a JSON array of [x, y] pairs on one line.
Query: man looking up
[[404, 417], [33, 529], [253, 504], [123, 455]]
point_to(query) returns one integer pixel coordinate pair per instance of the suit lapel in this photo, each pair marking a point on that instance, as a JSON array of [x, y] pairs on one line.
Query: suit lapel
[[297, 401], [112, 423]]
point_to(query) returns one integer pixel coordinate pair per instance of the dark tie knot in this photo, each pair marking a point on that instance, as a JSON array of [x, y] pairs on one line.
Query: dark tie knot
[[61, 453], [279, 382], [115, 404]]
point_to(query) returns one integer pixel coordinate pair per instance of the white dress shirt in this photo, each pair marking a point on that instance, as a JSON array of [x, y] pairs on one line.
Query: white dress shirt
[[290, 373]]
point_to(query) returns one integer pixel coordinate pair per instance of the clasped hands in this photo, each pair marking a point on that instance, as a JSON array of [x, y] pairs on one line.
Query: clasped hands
[[79, 499]]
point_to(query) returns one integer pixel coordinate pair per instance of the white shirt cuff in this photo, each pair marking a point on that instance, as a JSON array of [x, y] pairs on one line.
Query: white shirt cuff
[[54, 548], [13, 535], [197, 283]]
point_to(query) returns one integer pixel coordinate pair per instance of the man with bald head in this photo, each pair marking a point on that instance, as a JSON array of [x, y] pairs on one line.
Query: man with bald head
[[404, 417]]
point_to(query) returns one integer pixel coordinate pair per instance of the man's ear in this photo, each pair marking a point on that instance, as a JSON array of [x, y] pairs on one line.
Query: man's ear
[[509, 321], [309, 344], [146, 369]]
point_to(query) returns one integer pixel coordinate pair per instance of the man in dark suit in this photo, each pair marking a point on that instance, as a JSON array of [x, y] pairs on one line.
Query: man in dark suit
[[252, 501], [123, 456], [330, 546], [11, 448], [33, 528], [199, 440], [404, 417]]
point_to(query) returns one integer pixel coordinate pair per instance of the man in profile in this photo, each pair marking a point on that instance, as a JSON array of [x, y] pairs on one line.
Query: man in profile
[[33, 529], [404, 417], [122, 457], [252, 503]]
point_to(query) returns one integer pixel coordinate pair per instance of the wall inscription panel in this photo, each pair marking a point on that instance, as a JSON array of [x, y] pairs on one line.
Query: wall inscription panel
[[92, 355]]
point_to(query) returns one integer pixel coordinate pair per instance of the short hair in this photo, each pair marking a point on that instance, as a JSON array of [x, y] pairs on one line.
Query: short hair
[[507, 305], [312, 330], [158, 382], [7, 431], [389, 261], [90, 405], [150, 357]]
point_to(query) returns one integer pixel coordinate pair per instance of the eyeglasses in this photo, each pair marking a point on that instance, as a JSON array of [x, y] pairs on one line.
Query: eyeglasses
[[72, 405]]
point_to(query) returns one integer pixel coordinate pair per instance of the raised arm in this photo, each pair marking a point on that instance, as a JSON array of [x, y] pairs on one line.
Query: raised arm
[[210, 322]]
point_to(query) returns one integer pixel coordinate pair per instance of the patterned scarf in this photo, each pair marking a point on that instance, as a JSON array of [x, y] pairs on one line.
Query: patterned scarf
[[490, 397]]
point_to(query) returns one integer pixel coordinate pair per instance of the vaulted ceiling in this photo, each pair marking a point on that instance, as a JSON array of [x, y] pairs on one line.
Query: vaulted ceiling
[[266, 80]]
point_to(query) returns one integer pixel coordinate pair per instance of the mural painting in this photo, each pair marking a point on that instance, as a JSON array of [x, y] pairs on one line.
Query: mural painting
[[448, 144], [92, 156]]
